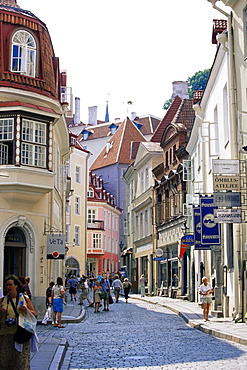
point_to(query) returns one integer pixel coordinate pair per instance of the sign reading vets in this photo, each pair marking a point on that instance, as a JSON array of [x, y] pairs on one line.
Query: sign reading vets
[[55, 246], [210, 234]]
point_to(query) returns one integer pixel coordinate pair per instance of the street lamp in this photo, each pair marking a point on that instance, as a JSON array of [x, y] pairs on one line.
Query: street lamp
[[122, 246]]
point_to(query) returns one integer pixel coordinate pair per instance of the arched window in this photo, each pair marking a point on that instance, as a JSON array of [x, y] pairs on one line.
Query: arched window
[[23, 53]]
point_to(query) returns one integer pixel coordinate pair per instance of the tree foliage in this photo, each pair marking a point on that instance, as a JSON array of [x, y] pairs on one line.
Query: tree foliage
[[197, 82]]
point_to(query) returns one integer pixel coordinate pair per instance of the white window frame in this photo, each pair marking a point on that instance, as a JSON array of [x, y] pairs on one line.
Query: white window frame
[[77, 235], [33, 147], [91, 215], [78, 174], [96, 241], [90, 193], [77, 205], [23, 53], [3, 153], [6, 129]]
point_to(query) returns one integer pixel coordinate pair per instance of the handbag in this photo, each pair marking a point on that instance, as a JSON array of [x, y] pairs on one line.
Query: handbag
[[110, 299], [22, 335], [102, 295], [26, 326]]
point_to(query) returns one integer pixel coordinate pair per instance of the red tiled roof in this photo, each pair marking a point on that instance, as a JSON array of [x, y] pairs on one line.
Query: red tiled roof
[[134, 149], [197, 96], [117, 150], [27, 105], [219, 26], [185, 114], [166, 120]]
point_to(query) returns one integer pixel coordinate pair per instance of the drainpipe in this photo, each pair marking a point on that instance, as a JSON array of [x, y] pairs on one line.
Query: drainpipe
[[234, 148]]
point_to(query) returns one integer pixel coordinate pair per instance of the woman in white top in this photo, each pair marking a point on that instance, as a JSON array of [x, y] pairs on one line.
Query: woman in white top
[[206, 292], [57, 294]]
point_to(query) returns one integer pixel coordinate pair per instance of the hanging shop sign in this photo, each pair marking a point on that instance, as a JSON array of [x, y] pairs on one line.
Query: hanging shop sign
[[187, 239], [228, 216], [159, 252], [226, 166], [55, 246], [227, 199], [227, 183], [210, 233], [198, 229]]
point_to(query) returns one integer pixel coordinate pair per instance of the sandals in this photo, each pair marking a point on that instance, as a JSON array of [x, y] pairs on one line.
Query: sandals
[[61, 326], [55, 325]]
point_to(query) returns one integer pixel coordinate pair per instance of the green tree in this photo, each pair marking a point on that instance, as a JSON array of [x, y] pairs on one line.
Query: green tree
[[197, 82]]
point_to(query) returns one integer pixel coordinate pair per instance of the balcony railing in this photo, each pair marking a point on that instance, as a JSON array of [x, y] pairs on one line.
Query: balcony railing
[[96, 224]]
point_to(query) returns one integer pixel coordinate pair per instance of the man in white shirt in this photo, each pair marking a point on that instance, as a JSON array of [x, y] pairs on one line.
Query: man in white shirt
[[117, 285]]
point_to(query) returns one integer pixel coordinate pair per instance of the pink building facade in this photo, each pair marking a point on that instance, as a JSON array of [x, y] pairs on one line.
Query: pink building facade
[[102, 228]]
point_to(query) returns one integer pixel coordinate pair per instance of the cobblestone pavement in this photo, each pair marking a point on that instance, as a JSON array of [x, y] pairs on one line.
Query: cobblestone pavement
[[142, 336]]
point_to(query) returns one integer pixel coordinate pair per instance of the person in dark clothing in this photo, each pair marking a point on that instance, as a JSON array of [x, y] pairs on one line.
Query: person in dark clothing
[[48, 300], [126, 288]]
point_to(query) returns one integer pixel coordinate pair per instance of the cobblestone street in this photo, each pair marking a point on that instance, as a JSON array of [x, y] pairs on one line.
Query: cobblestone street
[[140, 335]]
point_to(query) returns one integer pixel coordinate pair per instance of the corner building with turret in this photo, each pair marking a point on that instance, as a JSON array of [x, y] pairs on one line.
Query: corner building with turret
[[34, 147]]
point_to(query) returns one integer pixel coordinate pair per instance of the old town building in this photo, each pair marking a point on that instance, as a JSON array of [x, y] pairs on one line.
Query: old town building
[[34, 147]]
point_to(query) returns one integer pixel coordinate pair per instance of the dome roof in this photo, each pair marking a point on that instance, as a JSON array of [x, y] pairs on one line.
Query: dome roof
[[43, 76], [11, 3]]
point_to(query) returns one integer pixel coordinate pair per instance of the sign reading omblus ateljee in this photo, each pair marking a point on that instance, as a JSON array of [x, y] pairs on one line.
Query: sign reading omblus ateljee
[[226, 183]]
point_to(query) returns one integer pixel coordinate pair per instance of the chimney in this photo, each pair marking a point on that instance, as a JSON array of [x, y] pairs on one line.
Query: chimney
[[77, 111], [133, 116], [92, 115], [180, 88]]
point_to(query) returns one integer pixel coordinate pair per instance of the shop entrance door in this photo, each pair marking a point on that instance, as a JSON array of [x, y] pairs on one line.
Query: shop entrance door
[[15, 253]]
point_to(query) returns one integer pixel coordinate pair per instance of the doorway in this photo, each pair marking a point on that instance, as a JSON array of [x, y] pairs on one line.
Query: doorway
[[15, 253]]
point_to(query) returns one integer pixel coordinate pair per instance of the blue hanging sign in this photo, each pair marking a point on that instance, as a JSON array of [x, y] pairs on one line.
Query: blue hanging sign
[[198, 229], [187, 239], [210, 233]]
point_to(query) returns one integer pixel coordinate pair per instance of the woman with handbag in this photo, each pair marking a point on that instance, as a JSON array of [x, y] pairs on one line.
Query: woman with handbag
[[57, 294], [13, 303]]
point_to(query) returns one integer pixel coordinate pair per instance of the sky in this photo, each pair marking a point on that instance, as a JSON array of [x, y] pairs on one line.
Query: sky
[[131, 50]]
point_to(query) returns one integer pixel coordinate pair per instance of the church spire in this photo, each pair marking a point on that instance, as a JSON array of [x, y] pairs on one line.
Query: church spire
[[107, 113], [11, 3]]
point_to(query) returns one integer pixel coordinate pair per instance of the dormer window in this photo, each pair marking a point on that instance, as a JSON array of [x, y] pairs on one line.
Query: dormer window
[[23, 53], [90, 193]]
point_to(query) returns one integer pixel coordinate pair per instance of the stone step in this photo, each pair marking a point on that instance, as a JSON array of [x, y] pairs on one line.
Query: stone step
[[217, 313]]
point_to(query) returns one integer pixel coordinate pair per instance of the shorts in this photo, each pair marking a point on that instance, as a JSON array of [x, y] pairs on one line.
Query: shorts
[[58, 304], [207, 300], [116, 290], [72, 290]]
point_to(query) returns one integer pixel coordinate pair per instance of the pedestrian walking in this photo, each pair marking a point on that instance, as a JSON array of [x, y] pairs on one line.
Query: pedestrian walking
[[11, 306], [105, 285], [97, 298], [126, 287], [48, 303], [72, 287], [117, 286], [142, 282], [58, 291], [85, 293], [206, 291], [26, 288]]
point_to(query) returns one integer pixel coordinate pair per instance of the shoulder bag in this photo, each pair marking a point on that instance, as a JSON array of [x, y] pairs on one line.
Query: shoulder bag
[[26, 326]]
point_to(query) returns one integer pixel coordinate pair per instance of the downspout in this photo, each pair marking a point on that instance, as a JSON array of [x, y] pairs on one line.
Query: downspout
[[234, 146]]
